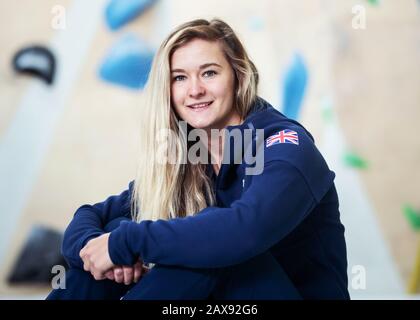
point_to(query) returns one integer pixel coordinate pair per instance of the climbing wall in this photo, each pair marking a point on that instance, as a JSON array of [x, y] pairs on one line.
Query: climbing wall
[[74, 142]]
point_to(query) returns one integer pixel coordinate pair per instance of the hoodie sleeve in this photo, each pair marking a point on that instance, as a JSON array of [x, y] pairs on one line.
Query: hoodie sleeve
[[272, 206], [294, 180], [91, 221]]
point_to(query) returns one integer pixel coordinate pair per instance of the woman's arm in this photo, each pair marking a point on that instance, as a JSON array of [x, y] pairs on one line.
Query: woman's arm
[[90, 221], [274, 204]]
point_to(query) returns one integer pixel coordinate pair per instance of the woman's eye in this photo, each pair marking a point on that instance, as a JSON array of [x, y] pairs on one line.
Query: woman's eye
[[209, 73], [179, 78]]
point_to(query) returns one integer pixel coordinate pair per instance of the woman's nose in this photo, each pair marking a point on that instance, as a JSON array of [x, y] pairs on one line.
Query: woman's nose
[[196, 89]]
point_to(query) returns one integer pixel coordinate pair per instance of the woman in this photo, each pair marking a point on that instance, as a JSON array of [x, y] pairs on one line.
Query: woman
[[269, 229]]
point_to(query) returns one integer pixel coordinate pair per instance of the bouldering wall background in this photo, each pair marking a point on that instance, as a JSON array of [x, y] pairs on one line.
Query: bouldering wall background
[[347, 70]]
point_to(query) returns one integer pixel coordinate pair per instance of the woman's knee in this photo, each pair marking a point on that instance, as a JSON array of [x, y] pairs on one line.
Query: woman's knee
[[261, 277]]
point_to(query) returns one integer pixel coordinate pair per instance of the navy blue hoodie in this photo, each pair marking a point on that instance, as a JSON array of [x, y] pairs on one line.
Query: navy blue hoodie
[[290, 209]]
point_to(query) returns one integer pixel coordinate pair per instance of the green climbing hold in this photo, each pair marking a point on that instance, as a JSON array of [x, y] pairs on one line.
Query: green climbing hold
[[373, 2], [327, 115], [353, 160], [327, 110], [412, 215]]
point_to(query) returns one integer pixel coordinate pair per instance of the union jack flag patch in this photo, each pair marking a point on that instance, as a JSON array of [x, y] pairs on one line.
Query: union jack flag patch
[[284, 136]]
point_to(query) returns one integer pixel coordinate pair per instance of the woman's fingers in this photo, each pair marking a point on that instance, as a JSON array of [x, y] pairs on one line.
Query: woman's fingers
[[138, 268], [128, 274], [110, 275], [118, 274]]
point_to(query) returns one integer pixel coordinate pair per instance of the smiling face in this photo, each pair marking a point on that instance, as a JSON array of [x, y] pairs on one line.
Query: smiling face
[[202, 86]]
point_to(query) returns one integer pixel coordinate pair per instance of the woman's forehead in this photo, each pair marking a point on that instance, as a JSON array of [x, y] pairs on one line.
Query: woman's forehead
[[197, 53]]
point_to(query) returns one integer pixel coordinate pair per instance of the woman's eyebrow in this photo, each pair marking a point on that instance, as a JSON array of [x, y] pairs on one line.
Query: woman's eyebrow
[[206, 65], [203, 66]]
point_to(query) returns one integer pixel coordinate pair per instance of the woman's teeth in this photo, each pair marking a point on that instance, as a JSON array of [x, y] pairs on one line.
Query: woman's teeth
[[200, 106]]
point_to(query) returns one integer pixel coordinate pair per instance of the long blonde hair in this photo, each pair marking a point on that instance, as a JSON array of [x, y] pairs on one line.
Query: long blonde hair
[[165, 191]]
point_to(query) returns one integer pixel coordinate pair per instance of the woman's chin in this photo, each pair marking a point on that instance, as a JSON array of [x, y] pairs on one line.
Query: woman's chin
[[199, 124]]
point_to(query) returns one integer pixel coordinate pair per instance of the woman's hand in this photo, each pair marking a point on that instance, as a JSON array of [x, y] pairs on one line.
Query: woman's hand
[[126, 274], [96, 257]]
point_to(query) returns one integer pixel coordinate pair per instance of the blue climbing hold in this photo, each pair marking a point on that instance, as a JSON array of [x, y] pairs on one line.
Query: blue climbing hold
[[120, 12], [128, 63], [294, 85]]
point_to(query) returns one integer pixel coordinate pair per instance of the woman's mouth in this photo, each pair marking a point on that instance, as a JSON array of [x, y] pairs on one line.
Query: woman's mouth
[[200, 106]]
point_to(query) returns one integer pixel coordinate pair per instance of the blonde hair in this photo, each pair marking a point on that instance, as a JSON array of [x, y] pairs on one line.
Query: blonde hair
[[165, 191]]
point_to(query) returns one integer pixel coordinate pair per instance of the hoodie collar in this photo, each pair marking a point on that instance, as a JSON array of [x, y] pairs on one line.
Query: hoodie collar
[[258, 106], [235, 151]]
